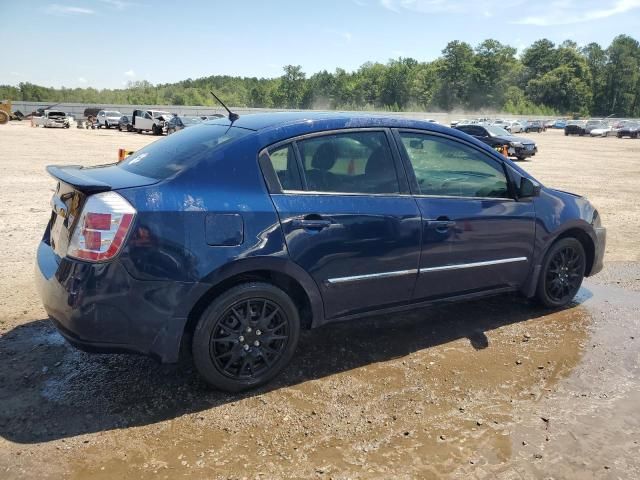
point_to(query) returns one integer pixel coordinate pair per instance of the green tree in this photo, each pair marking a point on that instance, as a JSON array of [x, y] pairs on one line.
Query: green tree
[[292, 86], [456, 73], [622, 76]]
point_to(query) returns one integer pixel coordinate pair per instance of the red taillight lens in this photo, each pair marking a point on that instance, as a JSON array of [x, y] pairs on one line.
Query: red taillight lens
[[98, 221], [92, 239], [102, 227]]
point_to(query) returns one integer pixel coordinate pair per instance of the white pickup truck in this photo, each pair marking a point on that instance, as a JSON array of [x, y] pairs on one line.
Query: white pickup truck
[[150, 120], [52, 119]]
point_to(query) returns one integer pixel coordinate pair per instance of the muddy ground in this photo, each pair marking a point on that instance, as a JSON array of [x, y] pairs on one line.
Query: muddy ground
[[497, 388]]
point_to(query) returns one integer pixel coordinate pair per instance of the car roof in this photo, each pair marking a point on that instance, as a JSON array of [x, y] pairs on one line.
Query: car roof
[[279, 126], [312, 121]]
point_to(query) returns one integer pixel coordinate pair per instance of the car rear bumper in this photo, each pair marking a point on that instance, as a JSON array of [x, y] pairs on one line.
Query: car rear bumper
[[100, 307]]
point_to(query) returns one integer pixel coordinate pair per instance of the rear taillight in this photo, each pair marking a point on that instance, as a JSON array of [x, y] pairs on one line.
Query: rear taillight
[[102, 227]]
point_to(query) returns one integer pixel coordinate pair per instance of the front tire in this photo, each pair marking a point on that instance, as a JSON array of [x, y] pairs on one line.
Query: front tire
[[246, 337], [562, 273]]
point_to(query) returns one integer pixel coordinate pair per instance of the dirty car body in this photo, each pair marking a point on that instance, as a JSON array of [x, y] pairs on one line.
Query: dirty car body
[[230, 237]]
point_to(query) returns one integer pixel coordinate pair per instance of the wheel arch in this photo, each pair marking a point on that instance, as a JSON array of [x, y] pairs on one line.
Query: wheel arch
[[580, 233], [282, 273], [587, 243]]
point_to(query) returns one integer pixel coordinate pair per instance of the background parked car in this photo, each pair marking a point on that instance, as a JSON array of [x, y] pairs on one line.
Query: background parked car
[[497, 137], [631, 130], [575, 127], [108, 118], [534, 126], [593, 125], [178, 123], [91, 114], [514, 127], [560, 123], [603, 130], [150, 121], [125, 124]]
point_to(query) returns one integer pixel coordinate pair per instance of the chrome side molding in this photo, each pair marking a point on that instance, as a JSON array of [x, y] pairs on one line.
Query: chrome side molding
[[371, 276], [459, 266]]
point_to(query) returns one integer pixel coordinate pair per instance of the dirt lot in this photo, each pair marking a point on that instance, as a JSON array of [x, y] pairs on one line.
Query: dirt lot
[[491, 389]]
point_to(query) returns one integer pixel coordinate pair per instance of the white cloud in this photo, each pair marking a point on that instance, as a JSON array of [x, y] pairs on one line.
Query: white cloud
[[82, 80], [390, 5], [523, 12], [567, 13], [431, 6], [117, 4], [130, 73], [66, 10]]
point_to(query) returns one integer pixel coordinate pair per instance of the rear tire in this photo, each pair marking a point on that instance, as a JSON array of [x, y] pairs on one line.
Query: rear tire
[[246, 337], [562, 273]]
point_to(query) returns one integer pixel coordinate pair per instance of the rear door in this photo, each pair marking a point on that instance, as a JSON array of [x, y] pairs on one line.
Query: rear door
[[476, 236], [347, 217]]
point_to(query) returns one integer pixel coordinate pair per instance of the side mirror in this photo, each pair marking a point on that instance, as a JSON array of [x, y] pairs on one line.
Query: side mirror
[[528, 188]]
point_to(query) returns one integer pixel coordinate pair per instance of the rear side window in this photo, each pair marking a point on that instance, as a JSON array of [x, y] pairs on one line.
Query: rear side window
[[447, 168], [175, 153], [283, 161], [354, 162]]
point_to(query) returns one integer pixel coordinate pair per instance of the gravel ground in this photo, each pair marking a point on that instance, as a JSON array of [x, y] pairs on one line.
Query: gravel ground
[[496, 388]]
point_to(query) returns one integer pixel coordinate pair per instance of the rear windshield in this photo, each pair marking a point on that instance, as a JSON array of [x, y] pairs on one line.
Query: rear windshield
[[177, 152]]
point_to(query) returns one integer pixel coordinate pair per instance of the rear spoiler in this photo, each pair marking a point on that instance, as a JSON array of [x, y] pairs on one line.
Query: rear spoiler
[[74, 176]]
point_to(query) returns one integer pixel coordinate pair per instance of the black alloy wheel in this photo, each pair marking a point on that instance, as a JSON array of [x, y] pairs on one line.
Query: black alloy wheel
[[246, 336], [562, 273]]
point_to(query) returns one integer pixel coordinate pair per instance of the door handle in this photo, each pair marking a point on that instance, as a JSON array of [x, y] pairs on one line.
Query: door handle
[[310, 223], [441, 224]]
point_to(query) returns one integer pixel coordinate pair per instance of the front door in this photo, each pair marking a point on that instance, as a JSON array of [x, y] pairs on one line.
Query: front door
[[476, 236], [348, 219]]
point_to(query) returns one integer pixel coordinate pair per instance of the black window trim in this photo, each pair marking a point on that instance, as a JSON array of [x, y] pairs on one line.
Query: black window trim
[[413, 182], [275, 188]]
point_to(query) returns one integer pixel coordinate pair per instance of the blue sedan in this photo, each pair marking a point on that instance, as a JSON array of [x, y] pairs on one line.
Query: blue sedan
[[231, 236]]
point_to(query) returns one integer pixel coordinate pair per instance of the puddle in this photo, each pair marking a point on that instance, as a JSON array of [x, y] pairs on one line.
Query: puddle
[[426, 393]]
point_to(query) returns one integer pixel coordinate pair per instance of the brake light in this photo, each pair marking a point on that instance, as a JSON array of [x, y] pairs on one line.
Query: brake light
[[102, 227]]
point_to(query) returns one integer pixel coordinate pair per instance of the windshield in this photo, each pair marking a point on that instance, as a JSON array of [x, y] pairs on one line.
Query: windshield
[[161, 114], [113, 114], [495, 131], [54, 113], [180, 151]]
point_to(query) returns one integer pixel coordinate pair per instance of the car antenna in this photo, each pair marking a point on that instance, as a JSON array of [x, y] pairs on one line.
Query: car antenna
[[232, 116]]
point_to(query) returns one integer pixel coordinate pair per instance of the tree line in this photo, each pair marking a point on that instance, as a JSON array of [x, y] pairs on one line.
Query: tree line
[[546, 79]]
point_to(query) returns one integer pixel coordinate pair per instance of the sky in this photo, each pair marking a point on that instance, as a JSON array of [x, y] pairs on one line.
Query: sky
[[106, 43]]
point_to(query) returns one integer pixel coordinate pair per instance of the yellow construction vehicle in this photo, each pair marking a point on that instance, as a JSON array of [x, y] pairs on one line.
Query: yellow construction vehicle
[[5, 111]]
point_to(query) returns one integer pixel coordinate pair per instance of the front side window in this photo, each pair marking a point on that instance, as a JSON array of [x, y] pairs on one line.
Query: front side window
[[353, 162], [447, 168]]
